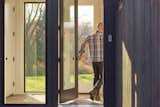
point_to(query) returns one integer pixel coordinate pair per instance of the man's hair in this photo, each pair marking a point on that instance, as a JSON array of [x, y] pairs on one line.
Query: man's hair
[[100, 23]]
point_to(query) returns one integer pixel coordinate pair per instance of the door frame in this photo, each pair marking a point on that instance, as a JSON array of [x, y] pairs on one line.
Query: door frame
[[73, 92], [52, 55], [110, 53], [24, 3]]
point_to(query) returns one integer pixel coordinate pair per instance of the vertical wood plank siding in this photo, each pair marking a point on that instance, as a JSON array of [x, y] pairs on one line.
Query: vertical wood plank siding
[[138, 27]]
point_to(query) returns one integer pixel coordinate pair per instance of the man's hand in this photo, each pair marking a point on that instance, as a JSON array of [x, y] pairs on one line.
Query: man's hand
[[80, 55]]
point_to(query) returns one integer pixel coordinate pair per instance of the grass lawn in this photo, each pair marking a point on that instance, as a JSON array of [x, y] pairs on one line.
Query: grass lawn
[[37, 83], [85, 78]]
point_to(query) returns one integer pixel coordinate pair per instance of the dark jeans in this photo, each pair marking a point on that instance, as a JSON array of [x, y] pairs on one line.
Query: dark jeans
[[98, 74]]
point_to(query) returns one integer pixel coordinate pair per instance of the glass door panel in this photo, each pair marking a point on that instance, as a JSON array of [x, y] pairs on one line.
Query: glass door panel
[[68, 45], [35, 43]]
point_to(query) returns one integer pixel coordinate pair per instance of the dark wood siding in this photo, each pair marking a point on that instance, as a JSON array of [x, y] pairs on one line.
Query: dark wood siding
[[138, 26], [1, 48]]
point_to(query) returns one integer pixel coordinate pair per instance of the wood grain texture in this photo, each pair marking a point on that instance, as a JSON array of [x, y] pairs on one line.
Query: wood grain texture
[[1, 47], [137, 26]]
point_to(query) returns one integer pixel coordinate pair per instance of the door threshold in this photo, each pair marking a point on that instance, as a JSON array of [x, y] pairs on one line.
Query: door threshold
[[82, 101]]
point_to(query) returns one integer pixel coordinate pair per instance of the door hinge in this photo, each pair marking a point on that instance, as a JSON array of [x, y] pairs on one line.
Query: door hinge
[[13, 34], [14, 8], [59, 27], [13, 84], [6, 58], [59, 59], [13, 59]]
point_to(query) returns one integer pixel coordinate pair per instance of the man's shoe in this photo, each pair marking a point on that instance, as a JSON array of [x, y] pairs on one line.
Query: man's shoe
[[97, 98], [91, 96]]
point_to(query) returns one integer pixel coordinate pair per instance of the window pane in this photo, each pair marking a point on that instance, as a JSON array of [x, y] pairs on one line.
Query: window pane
[[35, 43], [69, 45]]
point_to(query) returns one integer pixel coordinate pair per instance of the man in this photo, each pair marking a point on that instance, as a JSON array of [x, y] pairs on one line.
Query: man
[[95, 42]]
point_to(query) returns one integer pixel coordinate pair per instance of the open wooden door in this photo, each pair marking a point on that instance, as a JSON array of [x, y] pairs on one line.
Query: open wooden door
[[68, 50], [9, 45]]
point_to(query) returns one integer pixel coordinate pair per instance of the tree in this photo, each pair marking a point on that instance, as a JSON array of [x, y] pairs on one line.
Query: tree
[[34, 37]]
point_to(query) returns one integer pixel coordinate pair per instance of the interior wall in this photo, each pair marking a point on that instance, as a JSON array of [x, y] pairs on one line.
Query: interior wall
[[98, 10]]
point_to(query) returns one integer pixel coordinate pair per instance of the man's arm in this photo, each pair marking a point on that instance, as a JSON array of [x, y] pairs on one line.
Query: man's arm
[[83, 46]]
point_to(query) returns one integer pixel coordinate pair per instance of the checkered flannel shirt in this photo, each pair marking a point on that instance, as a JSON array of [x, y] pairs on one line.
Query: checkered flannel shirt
[[95, 42]]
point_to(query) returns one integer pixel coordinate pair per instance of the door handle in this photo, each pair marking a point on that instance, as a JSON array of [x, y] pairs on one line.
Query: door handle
[[110, 38]]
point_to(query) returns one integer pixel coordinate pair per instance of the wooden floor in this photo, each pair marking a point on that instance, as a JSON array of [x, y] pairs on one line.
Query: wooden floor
[[80, 106], [26, 99], [83, 99]]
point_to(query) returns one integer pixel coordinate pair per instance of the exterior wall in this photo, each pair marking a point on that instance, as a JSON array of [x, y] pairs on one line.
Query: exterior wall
[[137, 28]]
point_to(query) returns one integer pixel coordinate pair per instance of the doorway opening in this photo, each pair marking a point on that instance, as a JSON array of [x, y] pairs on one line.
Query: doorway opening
[[78, 20], [25, 52]]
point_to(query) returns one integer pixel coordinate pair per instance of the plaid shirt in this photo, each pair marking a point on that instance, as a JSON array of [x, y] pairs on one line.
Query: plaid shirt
[[95, 42]]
